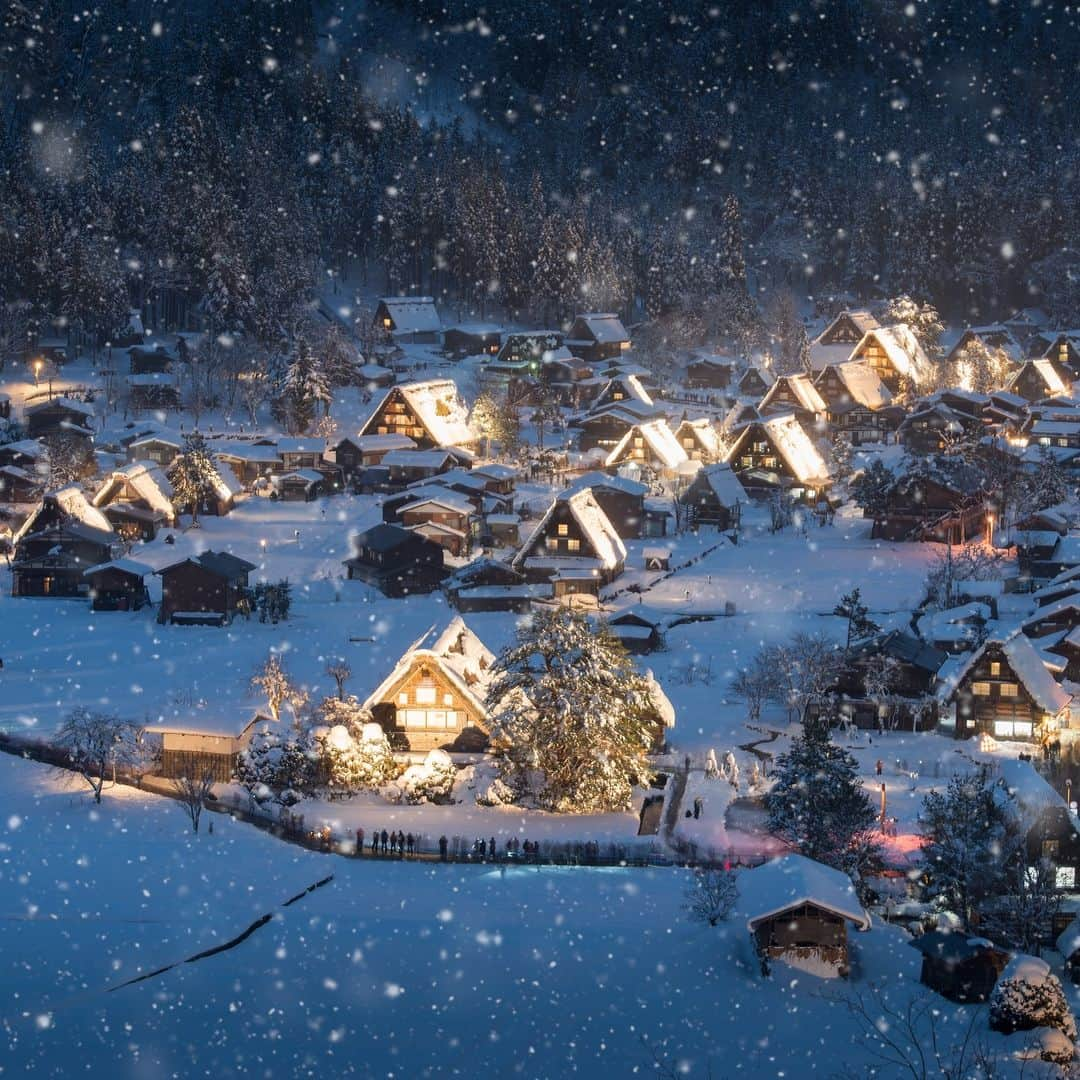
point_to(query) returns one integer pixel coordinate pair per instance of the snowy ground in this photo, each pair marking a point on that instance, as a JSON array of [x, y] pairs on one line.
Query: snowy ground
[[391, 969]]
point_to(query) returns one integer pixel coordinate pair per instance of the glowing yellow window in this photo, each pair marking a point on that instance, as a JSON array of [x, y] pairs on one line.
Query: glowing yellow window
[[573, 545], [1008, 689], [980, 689], [564, 530], [995, 668]]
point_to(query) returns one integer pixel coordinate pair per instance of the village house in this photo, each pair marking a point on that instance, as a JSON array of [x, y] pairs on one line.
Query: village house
[[957, 629], [356, 452], [498, 479], [621, 499], [700, 440], [299, 485], [252, 463], [625, 390], [794, 394], [935, 427], [637, 634], [709, 372], [64, 505], [776, 455], [52, 560], [1038, 379], [118, 585], [158, 447], [798, 912], [597, 337], [754, 383], [895, 355], [835, 344], [435, 696], [430, 413], [651, 448], [18, 485], [1003, 689], [1063, 348], [203, 746], [150, 360], [486, 584], [137, 500], [857, 403], [205, 590], [24, 453], [448, 519], [408, 319], [396, 561], [603, 428], [574, 539], [224, 489], [714, 497], [59, 414], [944, 502], [409, 466], [996, 337], [472, 339], [526, 350]]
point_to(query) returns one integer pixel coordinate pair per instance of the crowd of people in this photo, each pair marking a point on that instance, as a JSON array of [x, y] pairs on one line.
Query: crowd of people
[[403, 844]]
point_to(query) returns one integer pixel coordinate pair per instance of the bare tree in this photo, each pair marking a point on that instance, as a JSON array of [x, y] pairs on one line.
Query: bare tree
[[192, 795], [1022, 918], [276, 683], [340, 671], [95, 744], [711, 895], [758, 682], [810, 664]]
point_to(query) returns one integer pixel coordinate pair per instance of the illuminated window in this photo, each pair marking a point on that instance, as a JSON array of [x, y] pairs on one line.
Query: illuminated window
[[573, 545], [1008, 689], [564, 530], [980, 689], [403, 698], [552, 543], [995, 668], [425, 695], [1050, 849], [448, 699]]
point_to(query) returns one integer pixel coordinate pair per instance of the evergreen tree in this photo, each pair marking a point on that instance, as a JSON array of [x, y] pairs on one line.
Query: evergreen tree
[[360, 762], [275, 768], [872, 488], [859, 623], [971, 835], [730, 243], [1048, 484], [567, 704], [303, 388], [194, 476], [819, 806]]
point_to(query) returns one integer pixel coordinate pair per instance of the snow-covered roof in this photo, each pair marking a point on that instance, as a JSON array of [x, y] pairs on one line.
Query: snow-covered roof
[[793, 880], [863, 319], [368, 443], [30, 448], [724, 484], [658, 437], [605, 480], [864, 385], [802, 390], [63, 402], [125, 566], [1047, 373], [704, 431], [593, 523], [416, 459], [463, 658], [308, 476], [495, 470], [75, 505], [952, 623], [413, 314], [226, 485], [256, 453], [796, 448], [631, 386], [439, 407], [446, 499], [822, 356], [300, 444], [1025, 663], [603, 328], [902, 348], [159, 435], [148, 482], [1027, 785]]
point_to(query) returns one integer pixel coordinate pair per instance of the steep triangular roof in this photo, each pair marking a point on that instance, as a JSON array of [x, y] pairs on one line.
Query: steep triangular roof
[[659, 438], [793, 880], [148, 482], [413, 314], [593, 522]]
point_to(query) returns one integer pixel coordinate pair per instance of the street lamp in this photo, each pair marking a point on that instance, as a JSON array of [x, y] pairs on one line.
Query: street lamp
[[37, 372], [990, 530]]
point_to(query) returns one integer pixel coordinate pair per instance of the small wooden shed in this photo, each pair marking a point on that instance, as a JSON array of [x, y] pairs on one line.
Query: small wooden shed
[[959, 966], [119, 585]]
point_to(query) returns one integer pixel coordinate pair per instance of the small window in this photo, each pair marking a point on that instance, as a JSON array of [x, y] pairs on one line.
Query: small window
[[403, 698], [552, 543], [425, 695], [1008, 689], [995, 668], [1050, 849], [573, 545], [564, 530], [980, 689]]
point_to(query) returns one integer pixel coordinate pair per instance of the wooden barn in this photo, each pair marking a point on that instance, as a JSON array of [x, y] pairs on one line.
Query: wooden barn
[[434, 697], [623, 390], [798, 912], [574, 535], [597, 337], [408, 319], [959, 966], [1038, 379], [1003, 689], [396, 561], [472, 339], [430, 413], [206, 589], [794, 394], [205, 746], [637, 634], [714, 497], [118, 585], [298, 485], [700, 439]]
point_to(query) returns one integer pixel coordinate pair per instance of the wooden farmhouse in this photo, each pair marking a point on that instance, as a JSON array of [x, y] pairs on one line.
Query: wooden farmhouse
[[431, 413], [434, 697], [408, 319], [597, 337], [1038, 379], [895, 355], [396, 561], [621, 499], [637, 634], [472, 339], [207, 589], [25, 453], [625, 390], [754, 383], [356, 452], [651, 447], [299, 485], [935, 427], [488, 585], [995, 338], [700, 440], [221, 497], [603, 428], [17, 485], [945, 505], [574, 537], [52, 561], [1003, 689], [526, 350], [794, 394], [848, 328], [857, 403], [714, 497], [405, 467], [798, 912], [158, 447], [709, 372], [60, 414], [1062, 348], [204, 747], [776, 455], [64, 506], [137, 500], [449, 519], [118, 585]]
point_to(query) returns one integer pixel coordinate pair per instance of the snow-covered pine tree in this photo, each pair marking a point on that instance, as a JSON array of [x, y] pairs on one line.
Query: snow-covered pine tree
[[922, 318], [360, 762], [567, 704], [872, 488], [818, 804], [304, 388], [194, 476], [1048, 484]]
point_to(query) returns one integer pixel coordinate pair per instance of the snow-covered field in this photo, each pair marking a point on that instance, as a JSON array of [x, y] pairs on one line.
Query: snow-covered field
[[390, 969]]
